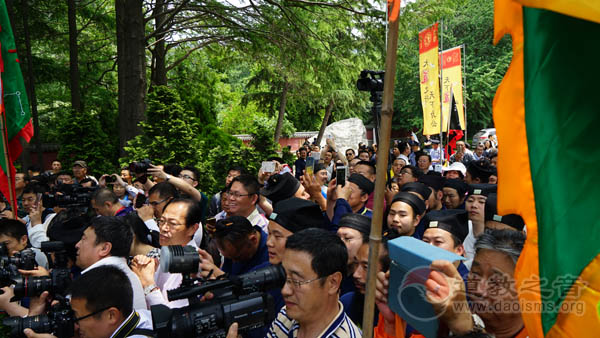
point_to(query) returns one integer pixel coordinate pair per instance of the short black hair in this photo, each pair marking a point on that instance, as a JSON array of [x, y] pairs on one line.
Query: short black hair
[[350, 149], [302, 148], [362, 150], [237, 168], [194, 171], [194, 211], [35, 188], [421, 154], [113, 230], [102, 195], [416, 172], [34, 167], [164, 190], [234, 229], [328, 252], [12, 228], [372, 170], [403, 146], [86, 180], [249, 182], [103, 287]]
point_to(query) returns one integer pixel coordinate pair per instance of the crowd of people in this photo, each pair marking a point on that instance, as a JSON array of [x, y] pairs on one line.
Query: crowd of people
[[297, 216]]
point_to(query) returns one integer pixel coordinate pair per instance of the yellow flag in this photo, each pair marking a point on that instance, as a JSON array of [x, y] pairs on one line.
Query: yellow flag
[[429, 80], [450, 62]]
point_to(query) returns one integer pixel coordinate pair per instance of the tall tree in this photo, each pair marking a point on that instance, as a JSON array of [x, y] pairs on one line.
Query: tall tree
[[73, 57], [131, 61]]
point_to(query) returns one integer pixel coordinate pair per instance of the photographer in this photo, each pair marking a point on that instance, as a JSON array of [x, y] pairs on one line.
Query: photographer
[[101, 301], [178, 223], [106, 203], [244, 247], [107, 241], [13, 234], [38, 217]]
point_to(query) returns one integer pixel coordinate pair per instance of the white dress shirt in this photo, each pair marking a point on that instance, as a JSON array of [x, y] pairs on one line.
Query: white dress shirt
[[139, 302]]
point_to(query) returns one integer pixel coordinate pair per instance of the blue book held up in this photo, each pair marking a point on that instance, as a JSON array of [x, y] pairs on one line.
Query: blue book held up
[[409, 270]]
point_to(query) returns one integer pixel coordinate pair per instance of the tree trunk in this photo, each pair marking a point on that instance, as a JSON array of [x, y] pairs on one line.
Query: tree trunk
[[31, 84], [281, 115], [131, 62], [73, 58], [158, 72], [328, 111]]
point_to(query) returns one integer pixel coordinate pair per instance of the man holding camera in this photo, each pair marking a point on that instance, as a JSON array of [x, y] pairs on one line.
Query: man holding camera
[[243, 245], [101, 301], [38, 217], [178, 223], [107, 241], [106, 203]]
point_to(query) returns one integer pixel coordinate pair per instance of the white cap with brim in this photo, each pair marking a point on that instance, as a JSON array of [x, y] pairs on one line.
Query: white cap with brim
[[457, 166]]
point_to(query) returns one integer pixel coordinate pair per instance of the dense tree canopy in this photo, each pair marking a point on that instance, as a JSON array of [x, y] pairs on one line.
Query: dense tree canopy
[[256, 66]]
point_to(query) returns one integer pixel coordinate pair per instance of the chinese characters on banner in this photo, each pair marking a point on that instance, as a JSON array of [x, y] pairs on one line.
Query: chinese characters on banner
[[429, 79], [450, 61]]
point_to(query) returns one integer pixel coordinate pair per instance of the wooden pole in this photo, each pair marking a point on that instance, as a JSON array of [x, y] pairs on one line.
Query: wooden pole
[[387, 111]]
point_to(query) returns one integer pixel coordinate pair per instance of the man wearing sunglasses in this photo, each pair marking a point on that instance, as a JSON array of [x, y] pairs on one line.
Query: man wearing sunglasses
[[315, 261], [102, 307]]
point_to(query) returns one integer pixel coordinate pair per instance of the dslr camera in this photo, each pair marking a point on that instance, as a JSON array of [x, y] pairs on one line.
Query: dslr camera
[[140, 167], [59, 321], [242, 299]]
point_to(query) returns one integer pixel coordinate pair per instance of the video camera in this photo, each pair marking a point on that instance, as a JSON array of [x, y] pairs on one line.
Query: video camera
[[71, 196], [370, 81], [242, 299], [59, 321]]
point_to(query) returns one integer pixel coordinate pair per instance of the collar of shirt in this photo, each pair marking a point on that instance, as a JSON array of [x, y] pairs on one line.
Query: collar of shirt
[[110, 260], [337, 321]]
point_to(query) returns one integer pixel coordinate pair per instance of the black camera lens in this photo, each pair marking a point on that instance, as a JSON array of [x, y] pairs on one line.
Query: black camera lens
[[179, 259], [39, 324]]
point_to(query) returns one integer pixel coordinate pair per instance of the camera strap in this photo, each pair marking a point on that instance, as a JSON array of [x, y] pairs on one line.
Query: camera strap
[[128, 328]]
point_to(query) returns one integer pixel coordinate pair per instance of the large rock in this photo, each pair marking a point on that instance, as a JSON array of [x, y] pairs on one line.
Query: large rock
[[346, 134]]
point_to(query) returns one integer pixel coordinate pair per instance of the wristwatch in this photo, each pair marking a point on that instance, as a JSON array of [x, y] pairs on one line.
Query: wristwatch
[[148, 289], [167, 177]]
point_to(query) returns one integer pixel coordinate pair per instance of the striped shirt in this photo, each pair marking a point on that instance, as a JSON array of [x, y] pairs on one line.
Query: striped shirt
[[341, 327]]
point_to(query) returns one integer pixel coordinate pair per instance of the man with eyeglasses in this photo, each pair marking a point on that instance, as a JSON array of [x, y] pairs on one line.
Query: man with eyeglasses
[[214, 206], [102, 307], [243, 195], [409, 173], [315, 261], [178, 224]]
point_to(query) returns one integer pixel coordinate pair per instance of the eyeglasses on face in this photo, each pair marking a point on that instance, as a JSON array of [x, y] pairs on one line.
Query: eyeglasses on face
[[298, 283], [236, 194], [91, 314]]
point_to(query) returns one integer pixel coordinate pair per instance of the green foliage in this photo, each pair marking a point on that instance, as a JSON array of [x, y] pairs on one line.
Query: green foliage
[[81, 138], [169, 132]]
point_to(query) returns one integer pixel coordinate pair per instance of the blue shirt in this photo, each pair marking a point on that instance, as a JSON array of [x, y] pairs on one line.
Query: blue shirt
[[342, 207], [300, 165], [259, 260]]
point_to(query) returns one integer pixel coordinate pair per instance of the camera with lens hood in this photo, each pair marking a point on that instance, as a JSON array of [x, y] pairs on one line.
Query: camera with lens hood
[[242, 299]]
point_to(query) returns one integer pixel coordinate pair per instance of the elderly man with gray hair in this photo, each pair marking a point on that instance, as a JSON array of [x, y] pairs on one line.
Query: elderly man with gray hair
[[494, 307]]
